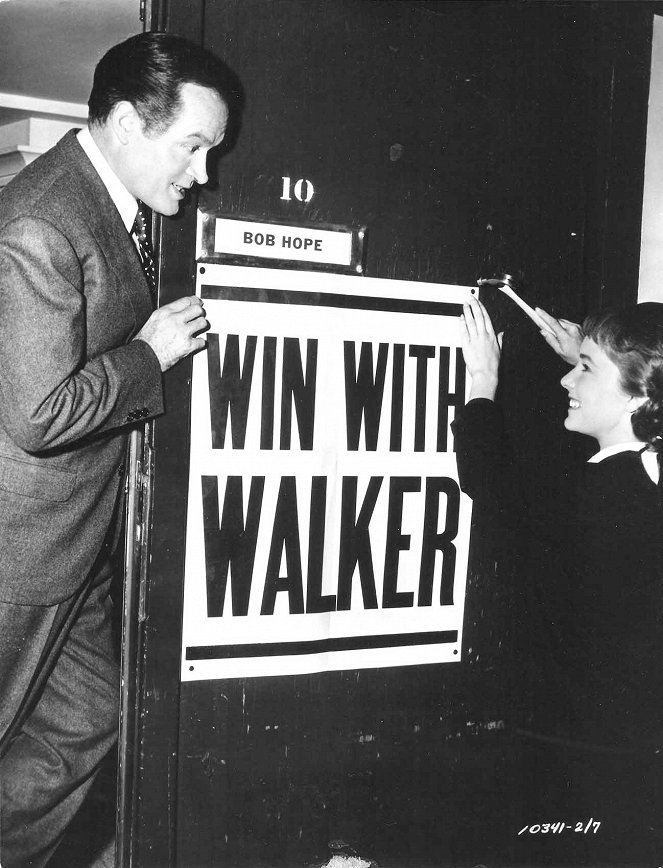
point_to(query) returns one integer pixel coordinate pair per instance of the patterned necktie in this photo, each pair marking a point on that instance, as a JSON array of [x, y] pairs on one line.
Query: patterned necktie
[[141, 232]]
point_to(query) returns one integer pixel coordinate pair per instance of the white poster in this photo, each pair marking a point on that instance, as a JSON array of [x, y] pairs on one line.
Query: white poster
[[325, 527]]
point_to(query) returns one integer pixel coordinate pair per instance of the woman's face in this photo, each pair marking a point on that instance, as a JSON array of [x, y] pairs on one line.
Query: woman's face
[[598, 406]]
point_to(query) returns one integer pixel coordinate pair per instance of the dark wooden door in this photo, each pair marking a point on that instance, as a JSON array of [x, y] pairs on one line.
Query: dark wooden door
[[470, 138]]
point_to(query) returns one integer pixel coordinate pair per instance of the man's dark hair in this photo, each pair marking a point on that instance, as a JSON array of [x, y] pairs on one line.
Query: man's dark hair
[[148, 71]]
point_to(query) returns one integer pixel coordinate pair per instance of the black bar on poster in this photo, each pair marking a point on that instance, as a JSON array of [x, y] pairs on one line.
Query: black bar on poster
[[330, 299], [319, 646]]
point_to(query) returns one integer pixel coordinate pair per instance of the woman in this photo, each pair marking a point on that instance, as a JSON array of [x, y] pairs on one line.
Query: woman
[[591, 592]]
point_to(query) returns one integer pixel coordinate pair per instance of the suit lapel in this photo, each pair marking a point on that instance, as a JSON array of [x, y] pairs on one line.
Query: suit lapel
[[104, 221]]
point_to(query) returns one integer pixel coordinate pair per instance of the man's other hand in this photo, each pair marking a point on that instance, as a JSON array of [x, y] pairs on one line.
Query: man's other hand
[[175, 330]]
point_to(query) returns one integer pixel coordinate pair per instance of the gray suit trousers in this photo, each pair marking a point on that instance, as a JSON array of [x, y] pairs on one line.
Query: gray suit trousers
[[58, 715]]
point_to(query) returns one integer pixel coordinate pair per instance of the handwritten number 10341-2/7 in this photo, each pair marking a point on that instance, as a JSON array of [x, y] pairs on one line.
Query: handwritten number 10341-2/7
[[583, 827]]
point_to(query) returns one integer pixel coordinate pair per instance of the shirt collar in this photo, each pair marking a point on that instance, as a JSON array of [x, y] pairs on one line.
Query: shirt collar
[[630, 446], [125, 203], [649, 458]]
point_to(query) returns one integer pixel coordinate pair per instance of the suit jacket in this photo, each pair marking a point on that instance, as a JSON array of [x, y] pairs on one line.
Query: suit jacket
[[72, 381]]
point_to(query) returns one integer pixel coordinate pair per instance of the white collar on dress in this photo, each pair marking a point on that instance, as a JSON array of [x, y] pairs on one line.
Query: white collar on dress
[[125, 203], [649, 459]]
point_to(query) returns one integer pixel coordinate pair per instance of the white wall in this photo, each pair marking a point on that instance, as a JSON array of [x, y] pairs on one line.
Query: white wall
[[651, 254]]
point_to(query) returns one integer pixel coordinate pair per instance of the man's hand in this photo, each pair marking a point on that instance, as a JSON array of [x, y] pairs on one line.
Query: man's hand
[[173, 331], [563, 336], [481, 349]]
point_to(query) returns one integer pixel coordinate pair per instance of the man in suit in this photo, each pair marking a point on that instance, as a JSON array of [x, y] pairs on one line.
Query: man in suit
[[82, 353]]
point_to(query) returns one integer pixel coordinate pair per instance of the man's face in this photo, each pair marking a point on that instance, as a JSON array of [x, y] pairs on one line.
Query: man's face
[[160, 167]]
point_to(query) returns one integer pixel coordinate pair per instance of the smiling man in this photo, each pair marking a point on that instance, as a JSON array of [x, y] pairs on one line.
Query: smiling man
[[82, 354]]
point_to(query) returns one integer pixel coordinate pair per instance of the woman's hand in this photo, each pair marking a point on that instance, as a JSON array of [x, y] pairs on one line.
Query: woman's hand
[[564, 336], [481, 349]]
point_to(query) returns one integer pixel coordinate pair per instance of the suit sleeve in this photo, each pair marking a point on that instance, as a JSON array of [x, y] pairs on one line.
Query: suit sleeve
[[51, 394]]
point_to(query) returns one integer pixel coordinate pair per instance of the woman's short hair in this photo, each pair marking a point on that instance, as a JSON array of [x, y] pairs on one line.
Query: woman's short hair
[[632, 338], [148, 70]]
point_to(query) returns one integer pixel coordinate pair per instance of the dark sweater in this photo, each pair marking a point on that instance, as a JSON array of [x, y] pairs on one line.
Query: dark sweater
[[590, 591]]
